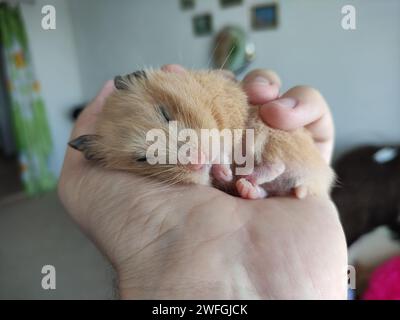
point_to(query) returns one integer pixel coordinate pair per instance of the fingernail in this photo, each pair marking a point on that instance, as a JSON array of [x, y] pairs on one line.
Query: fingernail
[[261, 80], [285, 102]]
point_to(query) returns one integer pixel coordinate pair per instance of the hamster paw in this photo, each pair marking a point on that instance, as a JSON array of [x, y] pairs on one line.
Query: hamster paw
[[222, 172], [300, 191], [247, 190], [267, 172]]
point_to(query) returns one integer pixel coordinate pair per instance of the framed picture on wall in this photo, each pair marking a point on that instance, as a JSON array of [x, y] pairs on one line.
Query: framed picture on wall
[[264, 16], [202, 24], [187, 4], [230, 3]]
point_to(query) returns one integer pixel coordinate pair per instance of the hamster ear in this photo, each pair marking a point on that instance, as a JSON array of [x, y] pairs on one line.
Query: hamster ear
[[87, 144], [119, 83], [122, 82]]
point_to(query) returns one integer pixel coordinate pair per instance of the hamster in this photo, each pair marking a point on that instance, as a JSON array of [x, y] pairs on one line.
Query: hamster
[[139, 113]]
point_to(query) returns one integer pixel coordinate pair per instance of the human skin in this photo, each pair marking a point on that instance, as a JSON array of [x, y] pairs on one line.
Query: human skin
[[196, 242]]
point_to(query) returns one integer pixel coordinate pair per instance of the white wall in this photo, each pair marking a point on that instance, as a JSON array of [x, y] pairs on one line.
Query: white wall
[[357, 71], [55, 61]]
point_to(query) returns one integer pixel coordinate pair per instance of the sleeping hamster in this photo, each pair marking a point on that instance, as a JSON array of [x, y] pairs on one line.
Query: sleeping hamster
[[149, 111]]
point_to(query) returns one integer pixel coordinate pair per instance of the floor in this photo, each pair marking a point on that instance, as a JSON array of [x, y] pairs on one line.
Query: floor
[[38, 232]]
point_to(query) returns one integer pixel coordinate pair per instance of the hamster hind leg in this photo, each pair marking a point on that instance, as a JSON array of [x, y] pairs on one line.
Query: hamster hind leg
[[248, 190], [222, 172], [273, 180], [249, 187]]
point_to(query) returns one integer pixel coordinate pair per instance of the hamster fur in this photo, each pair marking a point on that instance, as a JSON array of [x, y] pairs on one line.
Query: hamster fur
[[285, 162]]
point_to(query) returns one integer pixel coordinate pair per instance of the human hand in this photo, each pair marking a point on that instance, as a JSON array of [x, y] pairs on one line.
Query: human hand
[[198, 242]]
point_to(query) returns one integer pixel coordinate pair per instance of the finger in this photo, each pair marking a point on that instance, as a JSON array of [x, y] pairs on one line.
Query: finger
[[174, 68], [302, 106], [261, 86]]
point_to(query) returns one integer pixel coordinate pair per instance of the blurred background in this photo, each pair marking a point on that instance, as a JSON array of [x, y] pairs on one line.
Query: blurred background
[[49, 71]]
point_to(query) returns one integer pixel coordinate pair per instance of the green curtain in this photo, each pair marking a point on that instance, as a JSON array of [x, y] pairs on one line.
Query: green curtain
[[28, 111]]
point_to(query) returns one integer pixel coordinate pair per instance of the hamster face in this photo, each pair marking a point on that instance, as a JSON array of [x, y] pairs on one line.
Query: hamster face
[[143, 112]]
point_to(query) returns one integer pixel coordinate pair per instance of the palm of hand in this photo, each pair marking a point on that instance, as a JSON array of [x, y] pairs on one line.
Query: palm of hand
[[185, 234]]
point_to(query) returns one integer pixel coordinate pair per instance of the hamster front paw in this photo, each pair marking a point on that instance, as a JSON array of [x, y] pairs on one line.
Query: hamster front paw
[[247, 190], [222, 173], [300, 191]]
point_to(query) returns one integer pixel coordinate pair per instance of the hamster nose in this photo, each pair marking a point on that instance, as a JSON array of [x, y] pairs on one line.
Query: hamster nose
[[197, 161]]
